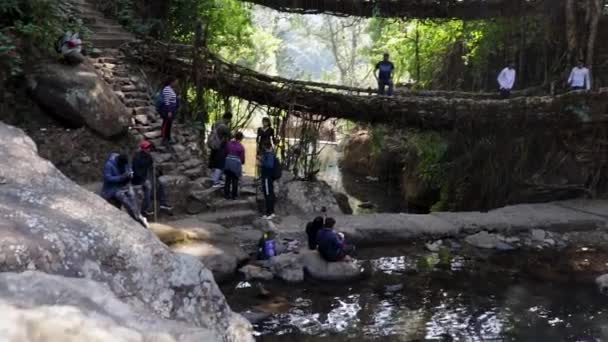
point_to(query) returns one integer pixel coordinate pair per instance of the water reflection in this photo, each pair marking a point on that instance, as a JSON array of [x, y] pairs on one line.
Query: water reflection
[[434, 307]]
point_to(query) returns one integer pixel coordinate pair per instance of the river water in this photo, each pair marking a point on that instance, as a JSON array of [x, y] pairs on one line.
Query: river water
[[464, 301]]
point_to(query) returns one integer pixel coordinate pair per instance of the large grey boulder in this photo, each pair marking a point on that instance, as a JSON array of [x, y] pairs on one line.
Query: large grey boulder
[[214, 245], [78, 96], [49, 223], [309, 197], [318, 268], [37, 306]]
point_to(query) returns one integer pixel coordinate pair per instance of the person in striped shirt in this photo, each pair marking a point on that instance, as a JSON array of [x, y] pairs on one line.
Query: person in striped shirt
[[169, 109]]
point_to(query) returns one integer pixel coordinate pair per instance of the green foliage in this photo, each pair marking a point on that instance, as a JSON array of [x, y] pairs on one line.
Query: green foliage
[[430, 149], [124, 12], [31, 25]]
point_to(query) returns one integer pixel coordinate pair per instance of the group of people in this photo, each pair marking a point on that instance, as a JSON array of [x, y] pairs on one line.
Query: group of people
[[119, 177], [579, 79], [227, 157]]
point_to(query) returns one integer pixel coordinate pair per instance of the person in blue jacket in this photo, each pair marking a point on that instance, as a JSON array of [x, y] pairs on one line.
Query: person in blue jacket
[[331, 247], [116, 190]]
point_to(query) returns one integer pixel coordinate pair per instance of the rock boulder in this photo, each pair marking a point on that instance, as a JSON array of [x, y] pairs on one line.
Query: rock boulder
[[49, 223], [78, 96], [310, 197], [317, 268], [56, 308]]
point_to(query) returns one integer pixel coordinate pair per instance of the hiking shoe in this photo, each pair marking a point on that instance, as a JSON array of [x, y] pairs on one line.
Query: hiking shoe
[[217, 185], [147, 213], [144, 222], [165, 207]]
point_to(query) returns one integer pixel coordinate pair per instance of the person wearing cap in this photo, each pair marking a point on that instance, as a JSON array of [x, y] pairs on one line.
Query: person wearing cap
[[385, 70], [142, 168]]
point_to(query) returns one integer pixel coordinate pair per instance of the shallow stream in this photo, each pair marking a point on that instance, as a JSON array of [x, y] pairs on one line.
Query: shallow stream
[[469, 299]]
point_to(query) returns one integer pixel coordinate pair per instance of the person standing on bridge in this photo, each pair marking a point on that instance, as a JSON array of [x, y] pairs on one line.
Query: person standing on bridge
[[385, 75], [506, 79], [579, 77]]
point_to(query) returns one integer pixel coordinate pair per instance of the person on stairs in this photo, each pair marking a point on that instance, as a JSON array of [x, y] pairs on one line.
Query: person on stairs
[[265, 135], [506, 79], [220, 133], [233, 168], [268, 163], [385, 70], [143, 164], [116, 189], [312, 229], [579, 77], [331, 246], [169, 109]]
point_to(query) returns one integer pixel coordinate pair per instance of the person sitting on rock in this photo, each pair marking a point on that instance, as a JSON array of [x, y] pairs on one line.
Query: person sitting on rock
[[329, 245], [218, 138], [116, 189], [70, 47], [233, 167], [267, 246], [312, 229], [143, 164]]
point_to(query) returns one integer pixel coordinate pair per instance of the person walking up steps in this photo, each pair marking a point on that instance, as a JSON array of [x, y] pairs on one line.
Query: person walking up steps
[[506, 79], [233, 169], [220, 133], [116, 189], [269, 172], [143, 163], [168, 104]]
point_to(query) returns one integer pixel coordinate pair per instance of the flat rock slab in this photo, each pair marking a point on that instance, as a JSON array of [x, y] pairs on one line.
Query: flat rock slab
[[317, 268]]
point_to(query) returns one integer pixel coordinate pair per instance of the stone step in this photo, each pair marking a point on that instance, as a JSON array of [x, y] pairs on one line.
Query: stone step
[[90, 19], [230, 218], [102, 60], [106, 42], [107, 29], [144, 110], [243, 204], [138, 95], [133, 103]]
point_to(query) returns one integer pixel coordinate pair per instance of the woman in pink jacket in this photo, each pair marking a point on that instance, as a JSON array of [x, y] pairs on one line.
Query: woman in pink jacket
[[233, 168]]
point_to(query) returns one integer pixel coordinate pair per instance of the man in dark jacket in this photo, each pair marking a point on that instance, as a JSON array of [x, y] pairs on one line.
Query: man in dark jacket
[[143, 164], [331, 246], [267, 161], [116, 189]]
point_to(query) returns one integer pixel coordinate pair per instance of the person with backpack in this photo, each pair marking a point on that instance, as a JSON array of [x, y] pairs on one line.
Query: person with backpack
[[143, 163], [117, 175], [70, 47], [233, 168], [270, 171], [219, 136], [267, 246], [167, 105]]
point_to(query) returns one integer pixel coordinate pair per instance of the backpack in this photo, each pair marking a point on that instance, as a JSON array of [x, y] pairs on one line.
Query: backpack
[[277, 169], [159, 101], [214, 141], [269, 249]]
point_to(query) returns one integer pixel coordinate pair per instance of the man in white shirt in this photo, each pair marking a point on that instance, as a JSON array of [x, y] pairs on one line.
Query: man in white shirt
[[579, 77], [506, 79]]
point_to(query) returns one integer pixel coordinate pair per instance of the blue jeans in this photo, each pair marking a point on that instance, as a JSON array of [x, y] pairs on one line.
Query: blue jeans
[[125, 197], [148, 192], [382, 84]]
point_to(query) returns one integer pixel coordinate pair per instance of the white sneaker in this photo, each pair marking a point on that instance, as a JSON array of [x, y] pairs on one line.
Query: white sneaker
[[269, 217], [218, 185], [144, 222]]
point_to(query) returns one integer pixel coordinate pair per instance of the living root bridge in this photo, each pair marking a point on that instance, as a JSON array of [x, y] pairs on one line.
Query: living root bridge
[[441, 112], [460, 9]]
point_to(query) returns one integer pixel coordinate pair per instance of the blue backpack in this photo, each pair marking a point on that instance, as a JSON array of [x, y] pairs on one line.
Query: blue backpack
[[159, 101], [269, 249]]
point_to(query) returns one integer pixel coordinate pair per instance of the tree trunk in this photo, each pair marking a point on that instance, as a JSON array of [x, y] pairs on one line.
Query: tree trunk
[[571, 30], [595, 11]]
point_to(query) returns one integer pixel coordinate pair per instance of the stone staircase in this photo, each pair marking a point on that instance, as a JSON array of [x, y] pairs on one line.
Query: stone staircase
[[181, 164]]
